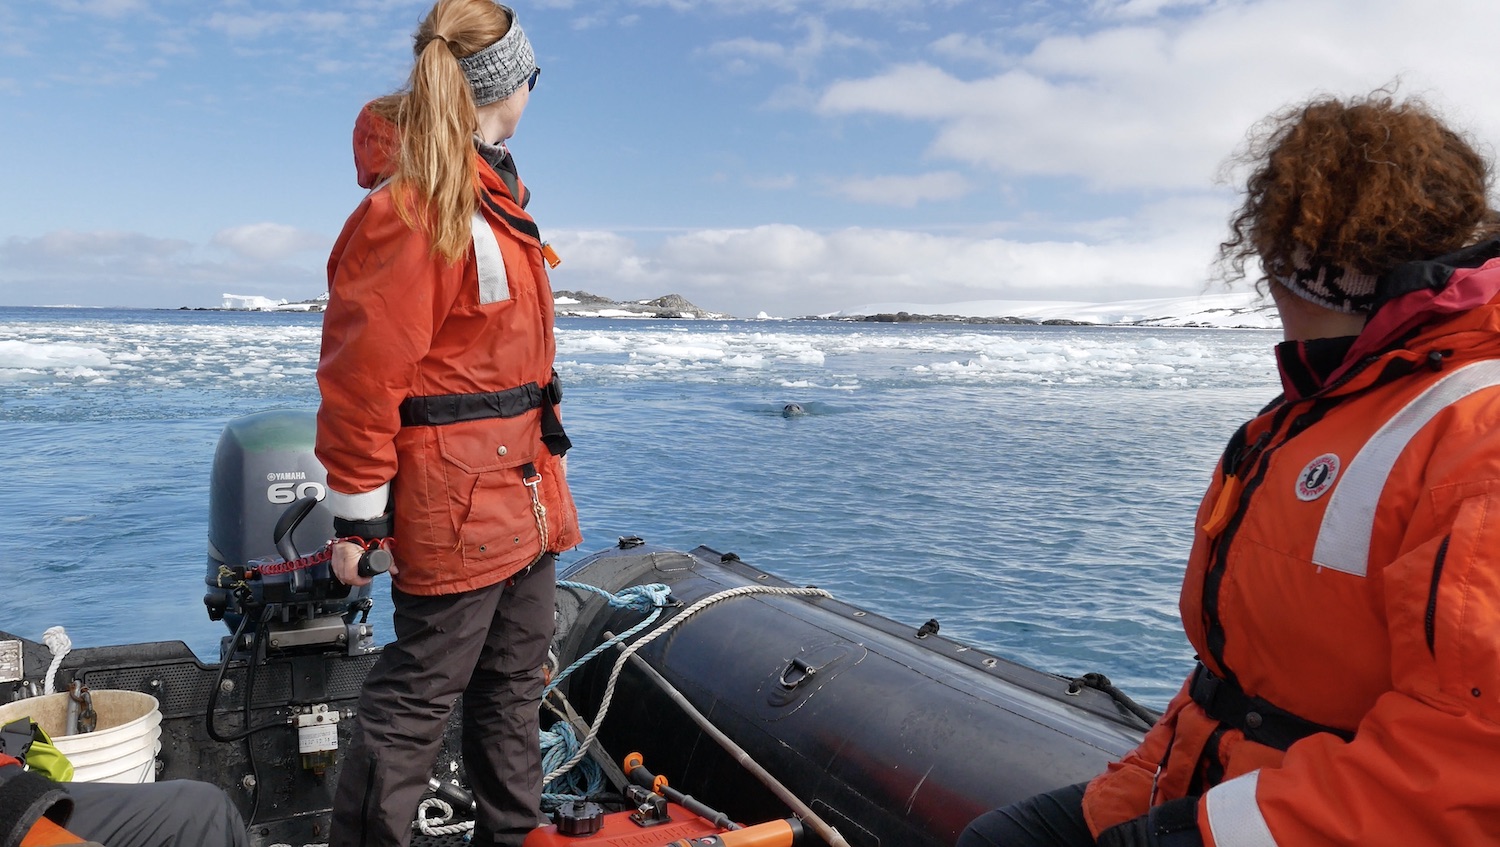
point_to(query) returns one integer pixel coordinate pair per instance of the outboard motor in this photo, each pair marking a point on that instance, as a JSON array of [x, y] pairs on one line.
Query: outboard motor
[[267, 482]]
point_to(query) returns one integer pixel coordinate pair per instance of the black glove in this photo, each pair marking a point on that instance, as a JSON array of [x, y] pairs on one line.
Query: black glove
[[1172, 824]]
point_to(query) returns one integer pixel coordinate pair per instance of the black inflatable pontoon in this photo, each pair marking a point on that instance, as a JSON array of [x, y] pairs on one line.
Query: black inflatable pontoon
[[895, 735]]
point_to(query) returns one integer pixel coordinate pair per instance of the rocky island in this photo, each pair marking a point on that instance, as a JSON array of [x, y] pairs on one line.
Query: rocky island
[[581, 304]]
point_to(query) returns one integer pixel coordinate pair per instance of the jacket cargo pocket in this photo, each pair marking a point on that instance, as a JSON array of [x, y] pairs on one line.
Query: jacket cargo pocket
[[492, 508]]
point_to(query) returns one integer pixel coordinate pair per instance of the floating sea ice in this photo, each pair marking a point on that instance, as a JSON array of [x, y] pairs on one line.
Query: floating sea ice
[[50, 354], [78, 373]]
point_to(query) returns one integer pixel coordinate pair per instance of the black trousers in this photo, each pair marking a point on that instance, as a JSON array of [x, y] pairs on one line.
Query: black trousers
[[487, 646], [176, 813], [1054, 819]]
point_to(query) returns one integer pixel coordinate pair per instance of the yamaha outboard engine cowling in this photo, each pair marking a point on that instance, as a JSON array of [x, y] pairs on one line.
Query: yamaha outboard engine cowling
[[263, 464]]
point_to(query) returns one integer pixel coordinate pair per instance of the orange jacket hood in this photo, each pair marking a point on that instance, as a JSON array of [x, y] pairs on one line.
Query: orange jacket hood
[[375, 147]]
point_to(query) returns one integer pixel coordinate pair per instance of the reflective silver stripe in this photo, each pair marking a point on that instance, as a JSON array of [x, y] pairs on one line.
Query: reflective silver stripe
[[488, 262], [1344, 538], [359, 507], [1234, 816]]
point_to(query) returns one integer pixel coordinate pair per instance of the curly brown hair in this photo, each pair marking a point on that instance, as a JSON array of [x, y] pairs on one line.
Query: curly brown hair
[[1365, 184]]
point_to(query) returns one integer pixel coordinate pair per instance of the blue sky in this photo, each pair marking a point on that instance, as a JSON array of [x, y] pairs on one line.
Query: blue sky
[[785, 156]]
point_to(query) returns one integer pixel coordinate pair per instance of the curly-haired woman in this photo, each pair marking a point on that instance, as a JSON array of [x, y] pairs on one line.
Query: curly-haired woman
[[1343, 591]]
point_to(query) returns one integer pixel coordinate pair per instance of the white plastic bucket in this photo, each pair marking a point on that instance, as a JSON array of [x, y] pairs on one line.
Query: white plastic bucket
[[121, 749]]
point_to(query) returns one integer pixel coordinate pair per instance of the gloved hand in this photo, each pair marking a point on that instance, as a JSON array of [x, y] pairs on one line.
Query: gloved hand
[[1172, 824]]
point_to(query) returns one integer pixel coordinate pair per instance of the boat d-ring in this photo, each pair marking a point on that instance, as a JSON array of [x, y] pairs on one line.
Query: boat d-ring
[[796, 673], [799, 677]]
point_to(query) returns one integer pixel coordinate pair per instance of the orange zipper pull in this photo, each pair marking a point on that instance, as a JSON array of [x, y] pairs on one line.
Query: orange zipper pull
[[1224, 505], [553, 260]]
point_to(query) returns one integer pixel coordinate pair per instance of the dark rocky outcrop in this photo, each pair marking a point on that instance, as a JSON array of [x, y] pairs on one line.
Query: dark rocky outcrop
[[584, 304], [908, 317]]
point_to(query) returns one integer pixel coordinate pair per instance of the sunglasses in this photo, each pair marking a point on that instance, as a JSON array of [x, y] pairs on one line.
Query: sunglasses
[[531, 82]]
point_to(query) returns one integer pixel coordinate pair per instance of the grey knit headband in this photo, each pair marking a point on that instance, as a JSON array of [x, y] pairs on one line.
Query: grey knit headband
[[495, 72], [1331, 286]]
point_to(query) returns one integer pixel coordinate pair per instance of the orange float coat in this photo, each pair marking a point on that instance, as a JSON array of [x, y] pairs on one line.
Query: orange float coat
[[1346, 568], [404, 326]]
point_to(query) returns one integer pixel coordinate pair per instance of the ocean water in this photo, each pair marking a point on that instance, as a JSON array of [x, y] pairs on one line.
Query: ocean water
[[1031, 488]]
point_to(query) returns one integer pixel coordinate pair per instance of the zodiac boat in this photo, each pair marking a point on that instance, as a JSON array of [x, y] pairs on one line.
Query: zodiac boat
[[771, 702]]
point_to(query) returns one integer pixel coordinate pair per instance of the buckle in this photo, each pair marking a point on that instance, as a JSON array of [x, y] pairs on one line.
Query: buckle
[[16, 738], [1205, 687]]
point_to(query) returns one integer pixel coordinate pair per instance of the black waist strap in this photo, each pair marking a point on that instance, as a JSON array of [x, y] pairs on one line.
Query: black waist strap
[[1260, 720], [441, 409]]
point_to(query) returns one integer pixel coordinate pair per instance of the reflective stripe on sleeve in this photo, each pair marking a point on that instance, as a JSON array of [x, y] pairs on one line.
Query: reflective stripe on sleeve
[[1233, 815], [488, 262], [359, 507], [1344, 537]]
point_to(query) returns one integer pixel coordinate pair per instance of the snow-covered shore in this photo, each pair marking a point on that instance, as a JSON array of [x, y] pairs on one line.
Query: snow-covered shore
[[1236, 309], [1242, 310]]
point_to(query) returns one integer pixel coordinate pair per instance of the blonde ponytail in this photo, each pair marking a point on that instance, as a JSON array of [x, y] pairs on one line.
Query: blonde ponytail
[[435, 185]]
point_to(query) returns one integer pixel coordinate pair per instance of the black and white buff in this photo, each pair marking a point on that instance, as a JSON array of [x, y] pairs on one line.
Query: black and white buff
[[1332, 286]]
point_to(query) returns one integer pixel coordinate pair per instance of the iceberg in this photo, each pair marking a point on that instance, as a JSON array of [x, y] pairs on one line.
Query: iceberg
[[257, 303]]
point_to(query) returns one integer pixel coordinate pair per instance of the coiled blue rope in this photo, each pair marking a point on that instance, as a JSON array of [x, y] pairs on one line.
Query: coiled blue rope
[[560, 744]]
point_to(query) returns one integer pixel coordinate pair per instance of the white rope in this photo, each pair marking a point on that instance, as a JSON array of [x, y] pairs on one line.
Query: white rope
[[59, 643], [614, 674], [431, 826]]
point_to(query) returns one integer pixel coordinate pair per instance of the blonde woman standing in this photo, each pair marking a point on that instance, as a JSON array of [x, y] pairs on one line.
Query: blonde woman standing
[[439, 430]]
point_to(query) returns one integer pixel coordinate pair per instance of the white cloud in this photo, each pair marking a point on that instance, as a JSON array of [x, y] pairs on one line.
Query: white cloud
[[269, 242], [792, 270], [1159, 106], [772, 182], [88, 248], [252, 25], [101, 8], [905, 191], [1127, 9], [745, 54], [132, 269], [967, 47]]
